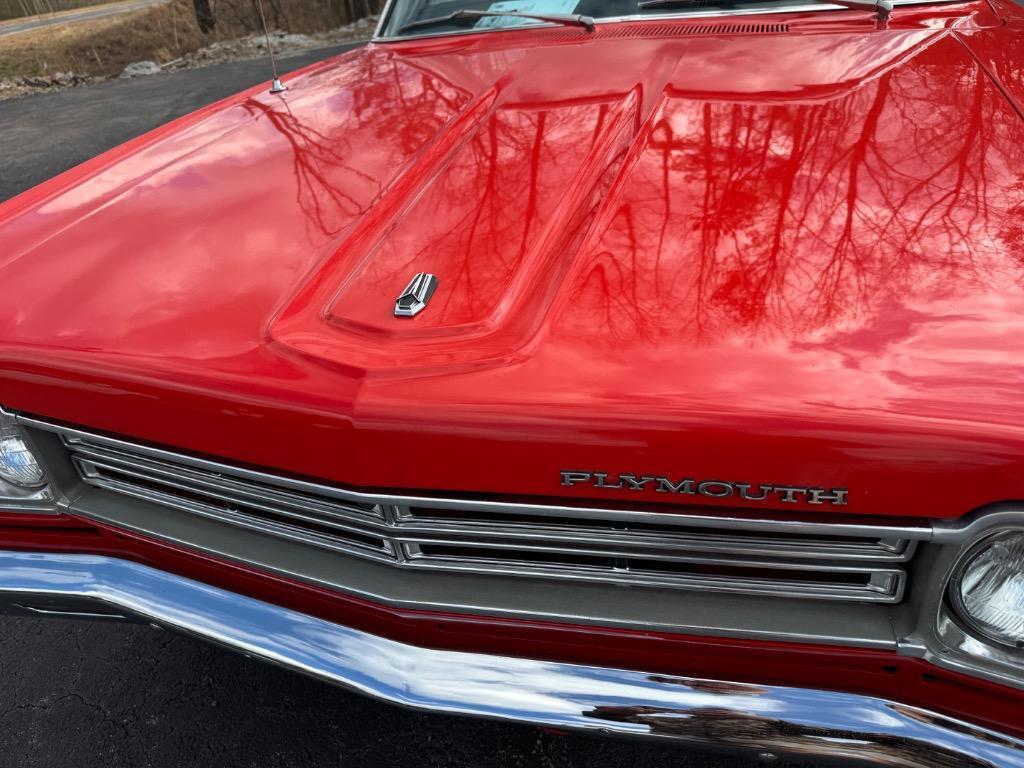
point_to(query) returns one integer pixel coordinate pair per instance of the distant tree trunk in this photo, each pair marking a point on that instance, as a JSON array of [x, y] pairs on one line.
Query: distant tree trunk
[[280, 19], [204, 15]]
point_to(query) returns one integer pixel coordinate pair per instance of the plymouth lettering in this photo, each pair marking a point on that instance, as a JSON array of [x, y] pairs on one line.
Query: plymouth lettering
[[714, 489]]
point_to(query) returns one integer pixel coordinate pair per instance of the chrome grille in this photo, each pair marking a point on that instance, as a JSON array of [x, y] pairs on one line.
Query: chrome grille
[[796, 559]]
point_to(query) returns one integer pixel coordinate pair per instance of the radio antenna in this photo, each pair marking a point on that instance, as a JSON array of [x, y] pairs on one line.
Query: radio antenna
[[276, 86]]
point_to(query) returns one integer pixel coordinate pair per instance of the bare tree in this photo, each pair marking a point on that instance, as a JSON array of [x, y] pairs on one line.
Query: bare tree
[[205, 17]]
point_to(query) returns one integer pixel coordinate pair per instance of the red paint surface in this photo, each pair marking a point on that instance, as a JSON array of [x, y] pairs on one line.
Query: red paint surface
[[871, 672], [791, 258], [795, 259]]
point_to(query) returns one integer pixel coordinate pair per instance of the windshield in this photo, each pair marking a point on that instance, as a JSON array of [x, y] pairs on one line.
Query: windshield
[[431, 17]]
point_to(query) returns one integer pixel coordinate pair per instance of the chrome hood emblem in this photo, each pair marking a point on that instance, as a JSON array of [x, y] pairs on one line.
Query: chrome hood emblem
[[417, 293]]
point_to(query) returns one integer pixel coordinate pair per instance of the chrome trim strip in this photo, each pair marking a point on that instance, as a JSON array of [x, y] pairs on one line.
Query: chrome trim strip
[[649, 542], [225, 483], [784, 722], [885, 586], [668, 545], [342, 520], [336, 543], [673, 557], [19, 507], [838, 528]]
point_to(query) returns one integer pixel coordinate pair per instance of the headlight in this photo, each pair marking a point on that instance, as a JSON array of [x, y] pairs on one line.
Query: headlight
[[988, 588], [22, 480], [17, 464]]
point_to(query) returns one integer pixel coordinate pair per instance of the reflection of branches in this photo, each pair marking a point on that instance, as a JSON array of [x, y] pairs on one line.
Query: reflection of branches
[[311, 152], [395, 109], [489, 209], [765, 218]]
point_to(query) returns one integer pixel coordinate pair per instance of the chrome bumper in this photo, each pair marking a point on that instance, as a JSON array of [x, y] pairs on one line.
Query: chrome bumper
[[789, 723]]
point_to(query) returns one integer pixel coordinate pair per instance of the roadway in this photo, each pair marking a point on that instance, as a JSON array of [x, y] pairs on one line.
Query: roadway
[[30, 23]]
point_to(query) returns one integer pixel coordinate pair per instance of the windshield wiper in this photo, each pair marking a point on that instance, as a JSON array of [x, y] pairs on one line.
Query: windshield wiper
[[884, 7], [568, 19]]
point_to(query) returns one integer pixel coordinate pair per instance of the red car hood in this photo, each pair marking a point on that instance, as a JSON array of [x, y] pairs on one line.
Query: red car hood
[[786, 256]]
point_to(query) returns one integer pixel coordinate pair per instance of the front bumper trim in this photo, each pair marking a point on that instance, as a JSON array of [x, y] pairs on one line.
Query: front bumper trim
[[826, 726]]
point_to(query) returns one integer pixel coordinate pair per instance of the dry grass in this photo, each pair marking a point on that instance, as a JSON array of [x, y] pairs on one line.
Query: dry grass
[[162, 34]]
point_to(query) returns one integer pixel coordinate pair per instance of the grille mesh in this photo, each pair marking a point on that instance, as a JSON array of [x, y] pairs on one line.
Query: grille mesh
[[639, 549]]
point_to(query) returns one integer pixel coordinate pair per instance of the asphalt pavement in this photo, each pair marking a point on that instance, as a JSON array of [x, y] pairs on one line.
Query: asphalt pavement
[[81, 694], [44, 134]]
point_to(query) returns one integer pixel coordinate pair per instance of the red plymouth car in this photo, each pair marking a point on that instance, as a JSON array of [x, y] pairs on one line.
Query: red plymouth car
[[649, 368]]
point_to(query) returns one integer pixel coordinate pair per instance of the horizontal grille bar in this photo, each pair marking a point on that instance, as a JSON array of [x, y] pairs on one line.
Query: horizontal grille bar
[[273, 513], [772, 578], [651, 538], [650, 549]]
